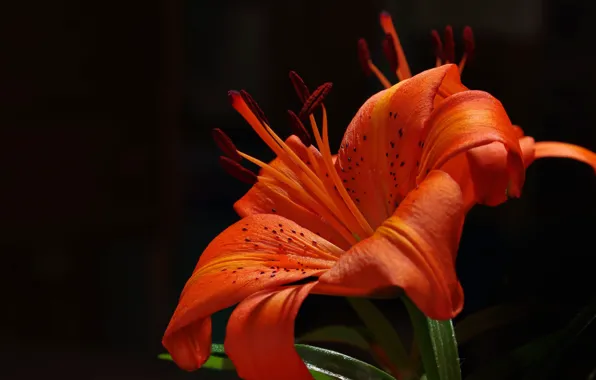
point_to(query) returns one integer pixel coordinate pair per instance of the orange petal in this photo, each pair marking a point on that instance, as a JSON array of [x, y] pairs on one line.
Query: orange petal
[[557, 149], [413, 250], [468, 120], [482, 172], [273, 197], [260, 335], [382, 144], [259, 252]]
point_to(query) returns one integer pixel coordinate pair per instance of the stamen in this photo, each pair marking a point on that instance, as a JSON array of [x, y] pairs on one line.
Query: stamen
[[367, 64], [438, 45], [315, 99], [299, 86], [403, 70], [364, 56], [298, 129], [469, 47], [318, 201], [308, 185], [225, 143], [254, 106], [238, 171], [275, 143], [323, 142], [389, 51], [449, 50]]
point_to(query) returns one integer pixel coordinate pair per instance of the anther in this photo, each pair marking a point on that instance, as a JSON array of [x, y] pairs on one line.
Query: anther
[[299, 86], [364, 56], [315, 99], [449, 47], [226, 145], [390, 52], [254, 107], [237, 171], [298, 129]]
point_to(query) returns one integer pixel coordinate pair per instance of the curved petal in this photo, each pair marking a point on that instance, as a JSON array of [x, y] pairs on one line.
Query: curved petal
[[259, 252], [382, 145], [260, 335], [414, 250], [557, 149], [273, 197], [469, 120]]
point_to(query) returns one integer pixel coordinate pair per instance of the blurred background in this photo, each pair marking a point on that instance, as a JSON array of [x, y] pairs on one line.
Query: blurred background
[[111, 187]]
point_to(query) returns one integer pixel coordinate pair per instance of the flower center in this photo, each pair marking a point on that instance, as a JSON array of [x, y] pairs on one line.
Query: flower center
[[311, 179]]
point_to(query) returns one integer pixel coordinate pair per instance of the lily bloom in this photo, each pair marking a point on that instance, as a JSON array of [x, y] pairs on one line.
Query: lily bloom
[[480, 171], [379, 218]]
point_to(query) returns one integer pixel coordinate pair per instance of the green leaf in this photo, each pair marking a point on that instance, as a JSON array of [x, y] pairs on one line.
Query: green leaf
[[336, 334], [335, 365], [491, 318], [437, 344], [567, 337], [384, 334], [535, 360], [215, 361], [323, 364], [514, 363]]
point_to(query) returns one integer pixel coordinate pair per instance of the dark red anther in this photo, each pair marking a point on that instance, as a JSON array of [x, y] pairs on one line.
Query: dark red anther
[[299, 86], [390, 52], [469, 41], [315, 99], [254, 107], [449, 46], [299, 130], [364, 56], [232, 96], [225, 143], [237, 171], [437, 44]]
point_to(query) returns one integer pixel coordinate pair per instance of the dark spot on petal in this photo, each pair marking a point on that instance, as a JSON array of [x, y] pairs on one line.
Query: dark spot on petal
[[245, 229], [402, 163]]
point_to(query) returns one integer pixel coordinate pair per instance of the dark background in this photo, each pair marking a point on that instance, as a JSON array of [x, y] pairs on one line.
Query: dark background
[[111, 188]]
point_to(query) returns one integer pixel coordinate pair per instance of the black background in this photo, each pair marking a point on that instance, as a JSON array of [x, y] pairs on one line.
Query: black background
[[111, 188]]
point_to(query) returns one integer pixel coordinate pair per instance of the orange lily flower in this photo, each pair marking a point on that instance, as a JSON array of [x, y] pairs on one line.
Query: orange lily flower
[[480, 171], [378, 218]]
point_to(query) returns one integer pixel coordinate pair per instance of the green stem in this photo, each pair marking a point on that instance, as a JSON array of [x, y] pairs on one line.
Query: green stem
[[437, 344]]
